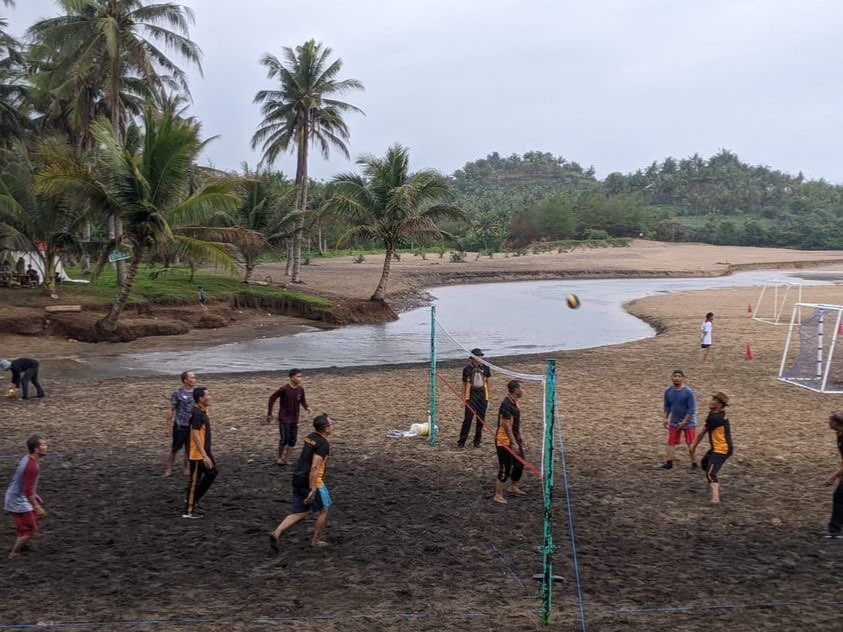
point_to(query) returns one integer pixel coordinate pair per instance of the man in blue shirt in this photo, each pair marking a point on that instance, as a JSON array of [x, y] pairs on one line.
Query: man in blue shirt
[[680, 417]]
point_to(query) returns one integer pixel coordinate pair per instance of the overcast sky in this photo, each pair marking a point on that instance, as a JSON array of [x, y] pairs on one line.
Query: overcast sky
[[610, 83]]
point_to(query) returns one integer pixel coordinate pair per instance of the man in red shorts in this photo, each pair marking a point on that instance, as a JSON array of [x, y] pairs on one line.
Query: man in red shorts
[[680, 417], [22, 499]]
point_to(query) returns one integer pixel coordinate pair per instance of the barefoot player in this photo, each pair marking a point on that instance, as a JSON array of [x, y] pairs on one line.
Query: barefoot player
[[719, 432], [291, 401], [22, 499], [508, 442], [309, 491], [178, 422]]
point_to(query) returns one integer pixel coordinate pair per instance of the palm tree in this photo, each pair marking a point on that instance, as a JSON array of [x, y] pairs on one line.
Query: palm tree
[[150, 191], [302, 111], [119, 40], [31, 222], [266, 209], [390, 204], [14, 119], [114, 45]]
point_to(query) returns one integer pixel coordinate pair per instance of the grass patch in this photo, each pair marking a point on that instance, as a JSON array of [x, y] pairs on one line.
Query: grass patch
[[174, 287]]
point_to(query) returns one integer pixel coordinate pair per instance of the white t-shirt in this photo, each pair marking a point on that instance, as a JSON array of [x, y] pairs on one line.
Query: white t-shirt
[[706, 332]]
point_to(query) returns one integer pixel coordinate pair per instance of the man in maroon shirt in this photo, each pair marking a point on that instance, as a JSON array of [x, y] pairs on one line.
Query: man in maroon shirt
[[22, 499], [291, 401]]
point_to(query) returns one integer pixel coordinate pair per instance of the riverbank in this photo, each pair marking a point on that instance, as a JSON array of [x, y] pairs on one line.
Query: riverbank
[[408, 517], [348, 284]]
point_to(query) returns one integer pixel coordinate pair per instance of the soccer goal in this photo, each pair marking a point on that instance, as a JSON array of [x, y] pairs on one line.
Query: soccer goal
[[776, 300], [812, 358]]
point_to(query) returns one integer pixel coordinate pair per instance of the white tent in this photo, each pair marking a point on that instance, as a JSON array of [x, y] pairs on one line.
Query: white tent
[[34, 260]]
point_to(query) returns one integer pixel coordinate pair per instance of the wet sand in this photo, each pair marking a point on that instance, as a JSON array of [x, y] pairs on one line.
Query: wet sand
[[416, 542]]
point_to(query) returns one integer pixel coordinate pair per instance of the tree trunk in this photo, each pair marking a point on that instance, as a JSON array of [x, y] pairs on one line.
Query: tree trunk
[[380, 291], [48, 265], [121, 265], [319, 240], [302, 183], [115, 123], [288, 268], [250, 267], [109, 323], [85, 262]]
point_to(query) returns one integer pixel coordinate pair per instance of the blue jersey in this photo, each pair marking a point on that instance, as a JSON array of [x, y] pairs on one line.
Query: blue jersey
[[678, 402]]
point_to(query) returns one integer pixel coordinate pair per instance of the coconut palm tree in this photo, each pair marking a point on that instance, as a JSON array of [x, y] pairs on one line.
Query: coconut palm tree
[[392, 205], [32, 222], [302, 111], [119, 40], [14, 118], [150, 190], [267, 208], [114, 45]]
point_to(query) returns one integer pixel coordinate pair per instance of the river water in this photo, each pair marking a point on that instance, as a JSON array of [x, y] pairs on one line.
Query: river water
[[504, 319]]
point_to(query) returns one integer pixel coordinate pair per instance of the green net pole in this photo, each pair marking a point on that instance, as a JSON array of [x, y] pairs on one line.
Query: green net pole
[[431, 410], [547, 473]]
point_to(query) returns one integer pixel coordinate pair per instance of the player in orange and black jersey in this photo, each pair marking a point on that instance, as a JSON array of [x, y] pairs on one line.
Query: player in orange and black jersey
[[508, 440], [719, 432], [203, 470], [835, 525], [310, 494]]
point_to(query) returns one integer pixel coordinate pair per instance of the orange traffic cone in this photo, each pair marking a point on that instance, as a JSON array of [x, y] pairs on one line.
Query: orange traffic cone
[[749, 308], [749, 355]]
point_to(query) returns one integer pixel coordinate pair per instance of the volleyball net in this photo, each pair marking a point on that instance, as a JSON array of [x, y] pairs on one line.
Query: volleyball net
[[445, 347]]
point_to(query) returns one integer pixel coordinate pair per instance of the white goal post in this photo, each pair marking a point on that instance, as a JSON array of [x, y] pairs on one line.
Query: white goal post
[[812, 358], [772, 305]]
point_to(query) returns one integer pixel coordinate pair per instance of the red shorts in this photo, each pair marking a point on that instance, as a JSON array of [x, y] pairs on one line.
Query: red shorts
[[673, 435], [26, 523]]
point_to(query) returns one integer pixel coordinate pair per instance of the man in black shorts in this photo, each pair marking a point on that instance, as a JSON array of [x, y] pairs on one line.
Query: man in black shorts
[[508, 442], [310, 494], [292, 400], [475, 380], [719, 432], [835, 525], [178, 422]]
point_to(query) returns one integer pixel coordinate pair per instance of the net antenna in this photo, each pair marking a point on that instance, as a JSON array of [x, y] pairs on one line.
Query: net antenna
[[772, 305], [812, 359]]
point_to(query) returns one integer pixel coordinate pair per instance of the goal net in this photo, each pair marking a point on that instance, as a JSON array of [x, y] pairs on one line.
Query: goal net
[[776, 301], [812, 357]]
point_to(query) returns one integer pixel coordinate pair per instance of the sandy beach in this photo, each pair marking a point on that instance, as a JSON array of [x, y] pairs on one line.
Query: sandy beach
[[416, 542]]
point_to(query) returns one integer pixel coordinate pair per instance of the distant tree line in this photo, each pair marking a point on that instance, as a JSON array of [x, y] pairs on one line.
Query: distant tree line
[[721, 200]]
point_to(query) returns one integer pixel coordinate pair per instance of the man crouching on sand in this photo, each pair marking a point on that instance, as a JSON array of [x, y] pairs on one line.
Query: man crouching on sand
[[309, 491]]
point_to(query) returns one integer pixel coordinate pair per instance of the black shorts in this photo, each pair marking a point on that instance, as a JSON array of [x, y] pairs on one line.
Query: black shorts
[[289, 434], [711, 464], [505, 463], [181, 437], [704, 346]]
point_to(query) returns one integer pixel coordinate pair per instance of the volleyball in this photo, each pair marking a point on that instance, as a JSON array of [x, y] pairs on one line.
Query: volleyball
[[11, 394], [573, 301]]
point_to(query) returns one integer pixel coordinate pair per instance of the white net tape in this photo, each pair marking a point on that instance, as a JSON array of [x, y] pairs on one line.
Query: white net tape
[[527, 377]]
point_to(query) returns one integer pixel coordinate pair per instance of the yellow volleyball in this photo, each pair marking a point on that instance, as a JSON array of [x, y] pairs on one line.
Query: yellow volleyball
[[573, 301]]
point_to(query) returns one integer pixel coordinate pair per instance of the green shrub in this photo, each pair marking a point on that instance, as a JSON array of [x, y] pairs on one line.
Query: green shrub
[[359, 259], [596, 233], [458, 256]]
